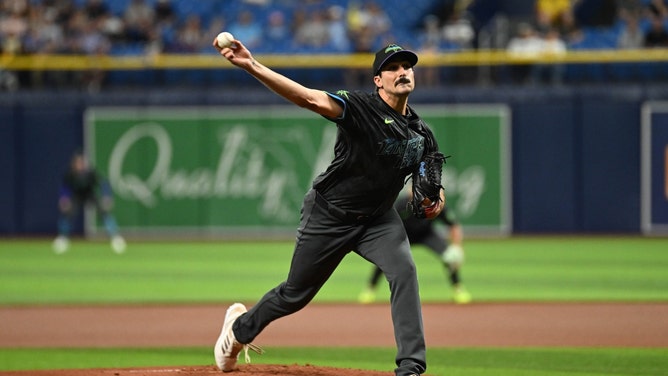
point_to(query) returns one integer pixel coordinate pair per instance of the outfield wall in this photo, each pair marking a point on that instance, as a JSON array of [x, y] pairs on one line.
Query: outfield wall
[[575, 153]]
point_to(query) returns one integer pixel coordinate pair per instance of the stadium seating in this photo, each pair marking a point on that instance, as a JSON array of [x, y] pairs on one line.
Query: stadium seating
[[406, 20]]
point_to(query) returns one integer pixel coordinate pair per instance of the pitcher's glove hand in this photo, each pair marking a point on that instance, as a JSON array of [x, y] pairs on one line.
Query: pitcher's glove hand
[[427, 185]]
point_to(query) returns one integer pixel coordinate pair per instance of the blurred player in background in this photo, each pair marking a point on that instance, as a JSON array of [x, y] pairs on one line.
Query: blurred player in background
[[81, 186], [425, 232]]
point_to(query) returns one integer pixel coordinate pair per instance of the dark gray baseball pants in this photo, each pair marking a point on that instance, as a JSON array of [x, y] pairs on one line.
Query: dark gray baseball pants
[[323, 240]]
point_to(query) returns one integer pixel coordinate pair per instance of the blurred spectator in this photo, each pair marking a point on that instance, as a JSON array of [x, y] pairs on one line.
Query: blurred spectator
[[83, 37], [246, 29], [657, 35], [15, 6], [155, 44], [632, 6], [298, 19], [631, 35], [139, 18], [338, 29], [658, 8], [164, 12], [458, 30], [109, 24], [460, 26], [430, 39], [568, 24], [526, 44], [74, 28], [95, 9], [362, 42], [552, 14], [314, 32], [64, 10], [354, 17], [368, 21], [431, 34], [164, 33], [277, 31], [45, 35], [375, 19], [93, 42], [428, 74], [113, 27], [190, 38], [553, 47], [13, 29]]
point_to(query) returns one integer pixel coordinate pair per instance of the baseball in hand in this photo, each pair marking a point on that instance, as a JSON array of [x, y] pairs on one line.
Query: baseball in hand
[[224, 39]]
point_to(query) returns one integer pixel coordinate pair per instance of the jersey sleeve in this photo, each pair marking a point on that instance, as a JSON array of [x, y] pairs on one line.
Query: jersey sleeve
[[353, 103], [341, 102]]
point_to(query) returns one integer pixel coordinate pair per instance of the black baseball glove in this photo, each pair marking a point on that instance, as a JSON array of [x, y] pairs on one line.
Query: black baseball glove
[[427, 185]]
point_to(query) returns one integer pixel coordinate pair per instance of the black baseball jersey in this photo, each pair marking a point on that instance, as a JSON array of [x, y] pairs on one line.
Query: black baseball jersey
[[419, 227], [376, 149], [83, 185]]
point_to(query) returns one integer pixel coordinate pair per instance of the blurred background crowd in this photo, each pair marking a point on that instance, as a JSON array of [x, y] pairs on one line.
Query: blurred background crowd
[[139, 27]]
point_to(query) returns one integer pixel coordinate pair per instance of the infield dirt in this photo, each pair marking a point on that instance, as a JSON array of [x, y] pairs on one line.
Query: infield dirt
[[446, 325]]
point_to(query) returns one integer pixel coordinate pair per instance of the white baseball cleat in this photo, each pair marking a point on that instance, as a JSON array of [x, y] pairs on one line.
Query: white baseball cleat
[[118, 244], [60, 244], [227, 348], [454, 255]]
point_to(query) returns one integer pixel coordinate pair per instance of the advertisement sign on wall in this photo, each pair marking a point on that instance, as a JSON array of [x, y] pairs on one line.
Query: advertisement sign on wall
[[244, 170]]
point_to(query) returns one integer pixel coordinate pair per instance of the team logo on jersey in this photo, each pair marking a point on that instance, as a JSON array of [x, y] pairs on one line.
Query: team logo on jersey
[[408, 152], [343, 93]]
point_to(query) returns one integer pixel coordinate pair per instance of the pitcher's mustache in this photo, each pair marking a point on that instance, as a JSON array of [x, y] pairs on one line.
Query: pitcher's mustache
[[403, 80]]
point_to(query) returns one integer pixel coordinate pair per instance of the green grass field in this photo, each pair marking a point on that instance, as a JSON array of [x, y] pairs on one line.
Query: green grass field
[[632, 269]]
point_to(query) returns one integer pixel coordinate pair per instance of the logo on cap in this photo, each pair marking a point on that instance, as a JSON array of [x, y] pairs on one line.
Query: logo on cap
[[393, 48]]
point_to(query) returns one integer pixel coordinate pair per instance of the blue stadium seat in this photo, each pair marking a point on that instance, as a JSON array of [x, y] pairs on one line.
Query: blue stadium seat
[[118, 7]]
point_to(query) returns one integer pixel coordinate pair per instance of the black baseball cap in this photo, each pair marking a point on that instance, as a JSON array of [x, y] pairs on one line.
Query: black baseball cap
[[395, 52]]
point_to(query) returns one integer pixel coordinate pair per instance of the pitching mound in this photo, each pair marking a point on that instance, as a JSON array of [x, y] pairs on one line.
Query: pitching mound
[[244, 370]]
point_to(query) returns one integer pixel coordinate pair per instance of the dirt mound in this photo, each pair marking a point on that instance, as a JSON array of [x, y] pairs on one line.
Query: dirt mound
[[244, 370]]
